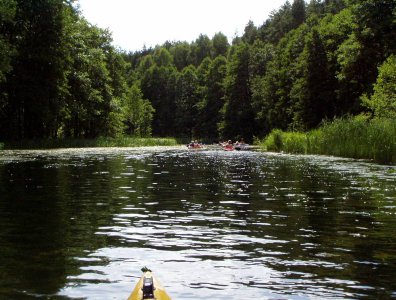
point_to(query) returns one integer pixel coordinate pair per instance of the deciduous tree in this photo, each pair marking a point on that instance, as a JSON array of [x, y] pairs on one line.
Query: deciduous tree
[[383, 100]]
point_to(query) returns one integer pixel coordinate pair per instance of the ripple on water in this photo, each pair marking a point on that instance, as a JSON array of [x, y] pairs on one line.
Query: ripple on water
[[210, 224]]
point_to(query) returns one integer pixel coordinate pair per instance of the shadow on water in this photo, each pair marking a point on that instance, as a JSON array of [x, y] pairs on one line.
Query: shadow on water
[[78, 224]]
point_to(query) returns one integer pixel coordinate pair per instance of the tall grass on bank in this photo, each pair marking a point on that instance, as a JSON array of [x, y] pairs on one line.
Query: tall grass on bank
[[353, 137], [1, 146], [124, 141]]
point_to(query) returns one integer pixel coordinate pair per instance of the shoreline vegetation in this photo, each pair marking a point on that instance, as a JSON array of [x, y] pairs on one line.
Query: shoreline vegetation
[[357, 137], [64, 85], [124, 141], [354, 137]]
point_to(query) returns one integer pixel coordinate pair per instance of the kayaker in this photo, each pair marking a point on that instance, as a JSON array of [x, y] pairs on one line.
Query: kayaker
[[194, 144], [239, 145], [229, 145]]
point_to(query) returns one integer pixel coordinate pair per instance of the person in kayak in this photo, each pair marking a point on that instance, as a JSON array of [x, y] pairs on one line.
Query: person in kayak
[[239, 145], [194, 144], [229, 146]]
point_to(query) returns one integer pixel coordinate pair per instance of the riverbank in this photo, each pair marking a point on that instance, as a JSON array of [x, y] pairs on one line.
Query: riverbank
[[353, 137], [88, 143]]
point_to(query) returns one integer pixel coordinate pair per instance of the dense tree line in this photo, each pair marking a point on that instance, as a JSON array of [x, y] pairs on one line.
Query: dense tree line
[[61, 77], [309, 61], [306, 63]]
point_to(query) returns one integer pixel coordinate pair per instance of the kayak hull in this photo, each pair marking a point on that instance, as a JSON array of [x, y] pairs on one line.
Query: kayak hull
[[159, 292]]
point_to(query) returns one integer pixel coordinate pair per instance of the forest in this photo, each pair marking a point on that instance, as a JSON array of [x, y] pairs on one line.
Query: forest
[[308, 62]]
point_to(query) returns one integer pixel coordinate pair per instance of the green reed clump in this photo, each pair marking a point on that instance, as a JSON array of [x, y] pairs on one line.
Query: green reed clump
[[295, 142], [291, 142], [124, 141], [274, 141], [351, 137], [1, 146], [360, 138]]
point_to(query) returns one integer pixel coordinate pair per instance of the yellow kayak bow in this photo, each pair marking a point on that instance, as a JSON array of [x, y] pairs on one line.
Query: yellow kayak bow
[[149, 288]]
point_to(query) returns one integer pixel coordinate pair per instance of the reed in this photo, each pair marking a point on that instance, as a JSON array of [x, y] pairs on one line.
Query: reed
[[124, 141], [291, 142], [135, 142], [1, 146], [351, 137]]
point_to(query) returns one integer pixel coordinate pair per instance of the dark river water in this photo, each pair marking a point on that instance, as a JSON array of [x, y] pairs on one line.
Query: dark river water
[[80, 224]]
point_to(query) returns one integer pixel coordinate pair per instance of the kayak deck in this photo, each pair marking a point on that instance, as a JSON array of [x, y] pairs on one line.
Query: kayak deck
[[148, 287]]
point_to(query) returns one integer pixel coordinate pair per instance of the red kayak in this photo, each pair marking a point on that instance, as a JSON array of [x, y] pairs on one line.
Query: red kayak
[[229, 148]]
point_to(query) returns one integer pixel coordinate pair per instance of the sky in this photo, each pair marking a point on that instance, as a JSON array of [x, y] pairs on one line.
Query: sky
[[138, 23]]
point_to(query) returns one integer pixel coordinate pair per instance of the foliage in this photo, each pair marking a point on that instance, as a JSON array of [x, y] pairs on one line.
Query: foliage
[[212, 98], [298, 12], [7, 15], [250, 34], [219, 45], [238, 116], [274, 141], [186, 103], [61, 76], [312, 92], [201, 49], [351, 137], [127, 141], [181, 53], [310, 61], [37, 78], [278, 24], [162, 57], [121, 141], [138, 113], [290, 142], [321, 8], [273, 92], [383, 101], [7, 50], [158, 84]]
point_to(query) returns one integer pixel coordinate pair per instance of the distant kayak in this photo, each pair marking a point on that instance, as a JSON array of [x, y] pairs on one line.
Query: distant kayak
[[229, 148], [195, 147], [242, 147], [148, 287]]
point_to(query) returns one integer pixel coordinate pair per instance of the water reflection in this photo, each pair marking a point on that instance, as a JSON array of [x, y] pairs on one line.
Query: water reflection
[[80, 224]]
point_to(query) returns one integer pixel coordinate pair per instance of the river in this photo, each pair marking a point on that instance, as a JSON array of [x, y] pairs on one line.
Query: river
[[81, 223]]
